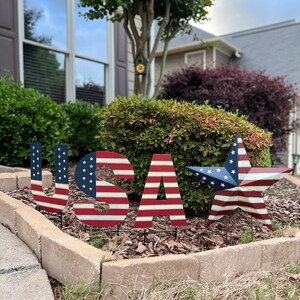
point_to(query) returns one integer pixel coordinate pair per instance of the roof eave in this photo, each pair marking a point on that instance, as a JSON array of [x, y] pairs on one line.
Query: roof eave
[[199, 45]]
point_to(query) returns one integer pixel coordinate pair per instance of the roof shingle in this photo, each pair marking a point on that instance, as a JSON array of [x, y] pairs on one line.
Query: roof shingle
[[274, 49]]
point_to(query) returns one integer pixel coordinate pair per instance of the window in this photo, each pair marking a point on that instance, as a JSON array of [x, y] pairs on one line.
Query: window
[[196, 57], [44, 70], [89, 80], [64, 55]]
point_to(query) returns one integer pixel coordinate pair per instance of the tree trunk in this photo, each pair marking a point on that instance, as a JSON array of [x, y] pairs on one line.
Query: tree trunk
[[140, 40], [162, 68]]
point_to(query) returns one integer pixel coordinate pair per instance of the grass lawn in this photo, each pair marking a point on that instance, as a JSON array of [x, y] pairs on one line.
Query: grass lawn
[[284, 284], [250, 286]]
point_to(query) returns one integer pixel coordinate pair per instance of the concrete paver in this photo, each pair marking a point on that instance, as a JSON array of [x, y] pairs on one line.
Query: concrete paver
[[28, 284], [21, 275], [14, 254]]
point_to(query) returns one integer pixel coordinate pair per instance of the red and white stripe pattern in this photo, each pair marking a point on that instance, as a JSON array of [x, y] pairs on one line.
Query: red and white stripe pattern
[[52, 204], [248, 193], [161, 168], [108, 193], [59, 200], [120, 165]]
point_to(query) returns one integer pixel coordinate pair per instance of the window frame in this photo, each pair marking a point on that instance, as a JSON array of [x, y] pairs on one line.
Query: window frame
[[203, 52], [70, 54]]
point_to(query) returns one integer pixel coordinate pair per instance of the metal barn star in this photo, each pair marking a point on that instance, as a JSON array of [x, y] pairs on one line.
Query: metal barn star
[[238, 185]]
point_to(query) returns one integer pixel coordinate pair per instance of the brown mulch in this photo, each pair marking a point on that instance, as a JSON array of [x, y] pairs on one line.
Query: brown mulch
[[282, 199]]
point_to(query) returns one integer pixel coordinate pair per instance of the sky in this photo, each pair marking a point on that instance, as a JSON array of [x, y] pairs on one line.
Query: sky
[[227, 16]]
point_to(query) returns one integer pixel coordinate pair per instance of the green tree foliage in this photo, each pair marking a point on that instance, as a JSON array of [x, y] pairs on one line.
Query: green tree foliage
[[31, 17], [195, 136], [84, 121], [27, 116], [138, 18]]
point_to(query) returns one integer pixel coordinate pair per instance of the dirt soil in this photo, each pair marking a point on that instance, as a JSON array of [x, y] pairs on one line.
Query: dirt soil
[[282, 200]]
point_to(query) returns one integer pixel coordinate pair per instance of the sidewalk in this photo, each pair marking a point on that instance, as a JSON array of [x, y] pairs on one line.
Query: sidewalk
[[21, 275]]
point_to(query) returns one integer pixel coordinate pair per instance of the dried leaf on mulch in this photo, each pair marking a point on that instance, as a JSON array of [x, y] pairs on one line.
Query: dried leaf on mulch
[[282, 201]]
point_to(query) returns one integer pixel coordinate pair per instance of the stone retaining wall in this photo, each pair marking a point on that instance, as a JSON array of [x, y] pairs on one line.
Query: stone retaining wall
[[70, 260], [64, 257], [18, 178], [204, 267]]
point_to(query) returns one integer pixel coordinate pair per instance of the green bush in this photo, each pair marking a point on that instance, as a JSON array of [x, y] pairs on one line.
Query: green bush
[[27, 116], [195, 136], [84, 126]]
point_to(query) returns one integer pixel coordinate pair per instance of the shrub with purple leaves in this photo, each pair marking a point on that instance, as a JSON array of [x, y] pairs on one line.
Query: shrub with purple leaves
[[266, 100]]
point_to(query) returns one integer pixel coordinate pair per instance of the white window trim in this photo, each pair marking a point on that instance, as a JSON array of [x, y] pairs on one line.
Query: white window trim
[[110, 80], [196, 52], [152, 66], [21, 38], [70, 56], [51, 48], [109, 74], [214, 62]]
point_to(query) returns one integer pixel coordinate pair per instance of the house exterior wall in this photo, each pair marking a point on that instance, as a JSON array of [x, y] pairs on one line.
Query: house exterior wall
[[283, 155], [209, 58], [222, 59], [9, 61], [177, 60], [173, 62]]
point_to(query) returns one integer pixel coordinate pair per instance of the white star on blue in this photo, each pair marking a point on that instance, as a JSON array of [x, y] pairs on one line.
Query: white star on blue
[[221, 178], [61, 162], [85, 177]]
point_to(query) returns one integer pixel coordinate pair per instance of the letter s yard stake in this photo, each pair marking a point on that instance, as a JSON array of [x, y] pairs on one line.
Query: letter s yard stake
[[102, 190]]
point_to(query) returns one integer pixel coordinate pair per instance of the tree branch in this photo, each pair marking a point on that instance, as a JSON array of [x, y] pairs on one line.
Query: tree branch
[[162, 67], [128, 32], [133, 27], [149, 75], [147, 18], [137, 84], [144, 27], [170, 36], [163, 25]]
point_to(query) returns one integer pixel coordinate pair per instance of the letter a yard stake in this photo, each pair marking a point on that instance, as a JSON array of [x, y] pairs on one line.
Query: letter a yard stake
[[161, 168]]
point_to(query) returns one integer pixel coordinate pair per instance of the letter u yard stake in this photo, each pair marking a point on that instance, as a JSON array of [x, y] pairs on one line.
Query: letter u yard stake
[[55, 203]]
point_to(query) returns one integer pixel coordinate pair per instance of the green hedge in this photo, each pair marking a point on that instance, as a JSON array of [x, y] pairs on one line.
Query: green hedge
[[84, 121], [195, 136], [27, 116]]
